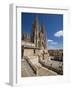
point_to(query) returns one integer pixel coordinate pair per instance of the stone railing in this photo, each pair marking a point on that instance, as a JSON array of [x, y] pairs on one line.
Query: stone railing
[[28, 44], [34, 63], [53, 65]]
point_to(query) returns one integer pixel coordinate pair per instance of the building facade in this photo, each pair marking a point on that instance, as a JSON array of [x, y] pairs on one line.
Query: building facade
[[37, 36], [35, 41]]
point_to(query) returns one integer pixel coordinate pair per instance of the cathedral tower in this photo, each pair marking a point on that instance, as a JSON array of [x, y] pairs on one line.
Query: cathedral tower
[[35, 31], [43, 37]]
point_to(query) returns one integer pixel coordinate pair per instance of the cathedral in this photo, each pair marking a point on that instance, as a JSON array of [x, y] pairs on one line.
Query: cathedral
[[35, 56], [37, 36], [35, 42]]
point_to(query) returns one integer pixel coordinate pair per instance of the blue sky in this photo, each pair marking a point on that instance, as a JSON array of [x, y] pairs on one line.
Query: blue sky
[[53, 26]]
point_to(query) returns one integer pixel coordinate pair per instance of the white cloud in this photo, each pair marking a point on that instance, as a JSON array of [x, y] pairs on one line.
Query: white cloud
[[49, 40], [59, 34], [54, 43], [51, 44]]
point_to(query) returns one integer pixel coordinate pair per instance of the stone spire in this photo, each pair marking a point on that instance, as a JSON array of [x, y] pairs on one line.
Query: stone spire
[[43, 28], [44, 35], [35, 31]]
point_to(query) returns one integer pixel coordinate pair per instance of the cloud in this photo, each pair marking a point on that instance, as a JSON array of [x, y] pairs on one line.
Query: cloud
[[51, 42], [59, 34], [54, 43]]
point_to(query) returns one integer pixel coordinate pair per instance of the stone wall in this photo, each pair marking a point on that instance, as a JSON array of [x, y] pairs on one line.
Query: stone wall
[[28, 52], [37, 52], [31, 52]]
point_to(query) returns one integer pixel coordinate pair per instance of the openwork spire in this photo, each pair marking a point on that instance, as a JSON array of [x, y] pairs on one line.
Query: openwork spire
[[43, 28]]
